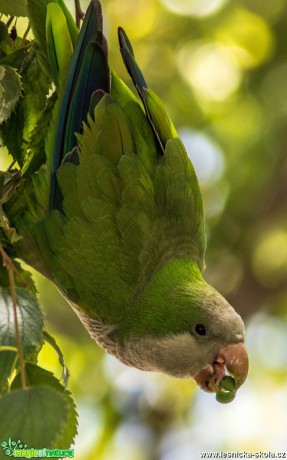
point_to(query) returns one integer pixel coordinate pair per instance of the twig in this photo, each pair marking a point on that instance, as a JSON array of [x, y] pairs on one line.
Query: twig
[[11, 165], [25, 35], [8, 23], [7, 348], [79, 13], [11, 269]]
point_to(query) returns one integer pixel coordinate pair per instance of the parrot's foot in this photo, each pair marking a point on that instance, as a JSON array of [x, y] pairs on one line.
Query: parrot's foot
[[226, 373]]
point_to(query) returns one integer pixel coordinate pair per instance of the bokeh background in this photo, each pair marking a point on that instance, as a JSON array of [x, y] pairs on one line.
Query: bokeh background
[[220, 67]]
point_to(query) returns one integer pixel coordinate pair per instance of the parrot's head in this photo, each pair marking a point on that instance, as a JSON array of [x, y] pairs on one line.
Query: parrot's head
[[183, 327], [203, 339], [215, 339]]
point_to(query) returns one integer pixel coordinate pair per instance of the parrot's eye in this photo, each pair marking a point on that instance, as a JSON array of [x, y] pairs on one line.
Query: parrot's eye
[[200, 329]]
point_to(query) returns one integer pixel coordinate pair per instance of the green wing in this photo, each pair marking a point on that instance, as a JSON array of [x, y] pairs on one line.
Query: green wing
[[131, 200], [125, 198]]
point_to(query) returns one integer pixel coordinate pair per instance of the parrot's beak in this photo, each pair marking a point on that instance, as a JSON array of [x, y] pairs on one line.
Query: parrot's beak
[[233, 359]]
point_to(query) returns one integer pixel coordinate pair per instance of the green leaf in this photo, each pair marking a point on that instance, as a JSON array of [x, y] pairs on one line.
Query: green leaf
[[13, 7], [14, 125], [17, 58], [10, 91], [30, 322], [23, 119], [37, 16], [30, 416], [8, 184], [36, 147], [51, 341], [23, 279], [29, 317], [35, 376], [4, 35]]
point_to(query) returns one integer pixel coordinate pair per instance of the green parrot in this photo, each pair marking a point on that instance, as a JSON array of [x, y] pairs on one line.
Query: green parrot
[[114, 217]]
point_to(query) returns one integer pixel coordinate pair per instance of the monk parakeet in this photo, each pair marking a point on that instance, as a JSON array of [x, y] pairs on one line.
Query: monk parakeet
[[114, 217]]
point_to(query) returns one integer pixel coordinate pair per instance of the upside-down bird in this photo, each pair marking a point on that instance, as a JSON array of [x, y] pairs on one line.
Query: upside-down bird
[[114, 217]]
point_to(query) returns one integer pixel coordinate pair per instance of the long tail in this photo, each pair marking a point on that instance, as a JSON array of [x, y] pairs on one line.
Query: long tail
[[87, 79], [139, 82]]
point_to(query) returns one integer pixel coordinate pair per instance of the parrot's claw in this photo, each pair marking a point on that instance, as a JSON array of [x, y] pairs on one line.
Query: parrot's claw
[[213, 378]]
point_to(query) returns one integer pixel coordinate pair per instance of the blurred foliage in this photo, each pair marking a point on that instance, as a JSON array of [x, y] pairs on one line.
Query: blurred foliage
[[220, 68]]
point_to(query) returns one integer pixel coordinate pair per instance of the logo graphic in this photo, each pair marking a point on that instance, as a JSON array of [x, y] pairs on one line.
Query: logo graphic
[[9, 446], [18, 449]]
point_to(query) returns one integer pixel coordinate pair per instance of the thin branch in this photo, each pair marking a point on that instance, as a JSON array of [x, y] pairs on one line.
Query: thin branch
[[25, 35], [8, 348], [11, 269], [79, 13], [8, 23], [11, 165]]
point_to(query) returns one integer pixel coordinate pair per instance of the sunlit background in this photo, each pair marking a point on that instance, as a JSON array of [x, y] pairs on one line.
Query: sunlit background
[[220, 67]]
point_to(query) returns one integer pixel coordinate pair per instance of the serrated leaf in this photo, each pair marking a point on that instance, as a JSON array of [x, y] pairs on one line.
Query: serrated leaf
[[8, 183], [30, 416], [29, 317], [36, 147], [16, 58], [52, 341], [37, 17], [13, 7], [14, 125], [23, 279], [8, 234], [30, 322], [36, 376], [17, 131], [10, 91], [4, 34]]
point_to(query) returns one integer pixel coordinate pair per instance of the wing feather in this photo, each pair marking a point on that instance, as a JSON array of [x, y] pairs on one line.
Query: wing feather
[[131, 200]]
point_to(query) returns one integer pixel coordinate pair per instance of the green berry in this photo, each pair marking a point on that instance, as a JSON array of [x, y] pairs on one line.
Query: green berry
[[228, 383], [225, 397]]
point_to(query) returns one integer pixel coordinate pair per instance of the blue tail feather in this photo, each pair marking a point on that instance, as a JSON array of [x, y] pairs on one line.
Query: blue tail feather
[[88, 72]]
